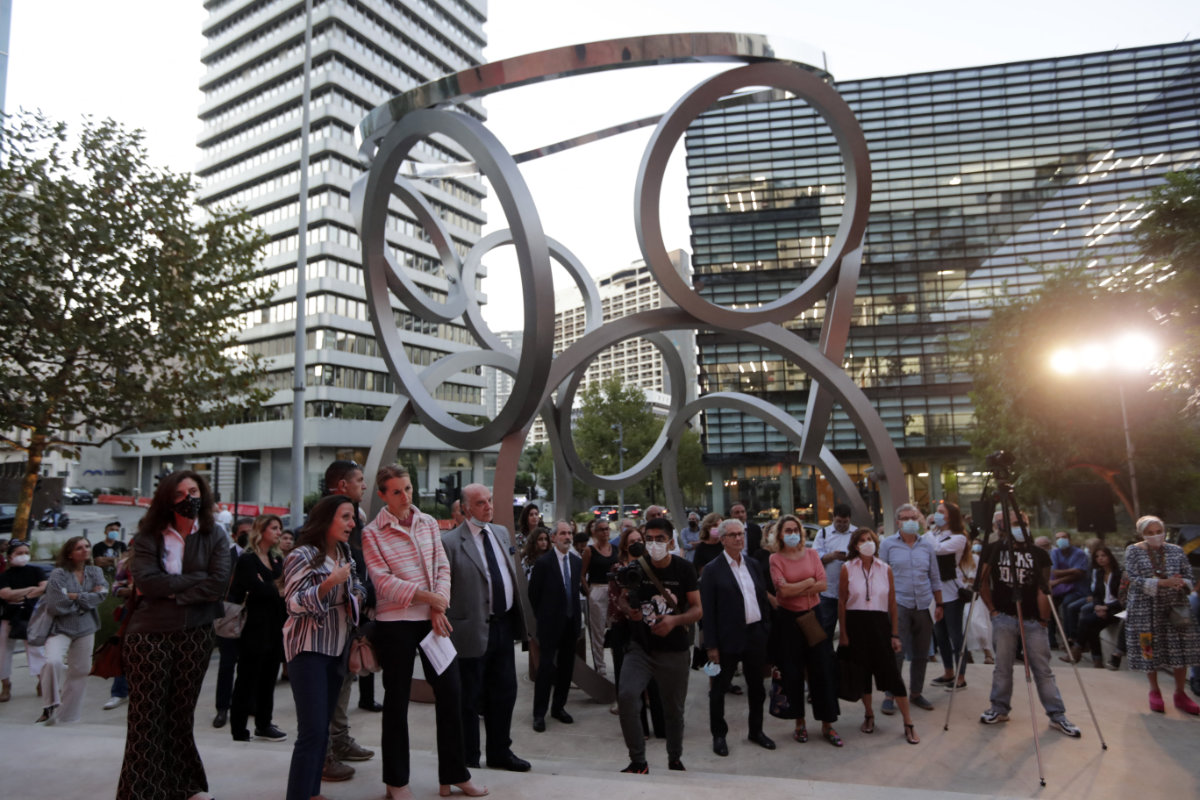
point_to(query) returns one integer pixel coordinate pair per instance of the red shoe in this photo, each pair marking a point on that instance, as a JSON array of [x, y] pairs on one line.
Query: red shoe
[[1186, 704], [1156, 701]]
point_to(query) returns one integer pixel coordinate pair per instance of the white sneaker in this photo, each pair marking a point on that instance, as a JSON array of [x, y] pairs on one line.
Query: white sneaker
[[113, 702]]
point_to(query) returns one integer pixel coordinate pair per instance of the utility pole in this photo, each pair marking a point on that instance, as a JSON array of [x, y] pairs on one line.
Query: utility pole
[[620, 442]]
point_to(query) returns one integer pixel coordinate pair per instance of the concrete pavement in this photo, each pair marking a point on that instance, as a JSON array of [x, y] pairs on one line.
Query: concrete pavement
[[1148, 755]]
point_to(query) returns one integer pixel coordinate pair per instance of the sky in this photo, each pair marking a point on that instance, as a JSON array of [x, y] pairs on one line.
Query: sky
[[138, 61]]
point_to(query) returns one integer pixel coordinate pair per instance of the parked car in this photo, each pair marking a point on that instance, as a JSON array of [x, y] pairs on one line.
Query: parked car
[[78, 496], [632, 510], [608, 511], [8, 515]]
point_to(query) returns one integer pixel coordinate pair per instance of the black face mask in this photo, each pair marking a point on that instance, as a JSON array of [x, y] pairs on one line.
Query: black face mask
[[243, 540], [637, 549], [188, 507]]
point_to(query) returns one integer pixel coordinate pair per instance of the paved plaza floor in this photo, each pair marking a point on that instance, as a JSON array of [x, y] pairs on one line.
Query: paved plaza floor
[[1149, 755]]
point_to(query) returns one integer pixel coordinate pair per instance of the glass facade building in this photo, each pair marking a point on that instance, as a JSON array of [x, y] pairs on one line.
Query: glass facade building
[[983, 180]]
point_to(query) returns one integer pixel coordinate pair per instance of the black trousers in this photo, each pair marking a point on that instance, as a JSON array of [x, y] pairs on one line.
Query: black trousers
[[397, 644], [226, 667], [254, 689], [795, 657], [497, 669], [555, 669], [754, 662]]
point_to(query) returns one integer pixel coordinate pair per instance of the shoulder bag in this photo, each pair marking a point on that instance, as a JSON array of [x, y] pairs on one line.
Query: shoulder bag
[[230, 625], [107, 660], [40, 621]]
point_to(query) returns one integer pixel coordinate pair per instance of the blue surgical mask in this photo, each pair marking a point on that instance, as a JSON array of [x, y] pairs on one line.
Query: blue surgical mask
[[791, 539], [939, 519], [910, 527], [1062, 544], [712, 670], [1018, 534], [976, 548]]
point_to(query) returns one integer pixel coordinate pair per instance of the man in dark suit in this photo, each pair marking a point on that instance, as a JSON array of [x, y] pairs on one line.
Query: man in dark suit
[[554, 593], [485, 610], [733, 595]]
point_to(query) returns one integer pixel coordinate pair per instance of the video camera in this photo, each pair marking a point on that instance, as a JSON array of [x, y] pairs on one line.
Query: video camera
[[630, 576]]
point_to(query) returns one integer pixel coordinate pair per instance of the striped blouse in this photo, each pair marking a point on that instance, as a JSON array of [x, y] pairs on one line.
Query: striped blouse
[[316, 624], [402, 560]]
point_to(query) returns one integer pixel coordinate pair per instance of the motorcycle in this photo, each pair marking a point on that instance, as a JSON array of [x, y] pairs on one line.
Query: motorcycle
[[53, 519]]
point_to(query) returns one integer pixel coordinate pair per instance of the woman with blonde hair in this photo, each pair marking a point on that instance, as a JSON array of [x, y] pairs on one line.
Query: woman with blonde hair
[[260, 647]]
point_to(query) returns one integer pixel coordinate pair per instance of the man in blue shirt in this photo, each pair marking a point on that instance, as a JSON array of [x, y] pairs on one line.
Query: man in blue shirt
[[1069, 589], [913, 559]]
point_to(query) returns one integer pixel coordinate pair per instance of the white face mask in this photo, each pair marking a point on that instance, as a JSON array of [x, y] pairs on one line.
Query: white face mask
[[20, 561], [1155, 540], [910, 527], [866, 548], [656, 550]]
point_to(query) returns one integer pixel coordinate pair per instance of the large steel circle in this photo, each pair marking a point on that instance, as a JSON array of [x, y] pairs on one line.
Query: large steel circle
[[558, 251], [533, 259], [851, 143], [399, 279], [644, 465]]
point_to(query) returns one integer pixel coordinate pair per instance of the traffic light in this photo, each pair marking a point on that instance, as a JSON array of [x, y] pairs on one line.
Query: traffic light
[[452, 490]]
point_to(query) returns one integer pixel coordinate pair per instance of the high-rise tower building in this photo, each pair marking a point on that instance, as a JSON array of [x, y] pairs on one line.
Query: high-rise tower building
[[363, 52], [983, 180]]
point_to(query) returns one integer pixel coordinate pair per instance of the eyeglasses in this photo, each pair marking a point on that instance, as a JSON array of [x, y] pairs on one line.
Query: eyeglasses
[[734, 535]]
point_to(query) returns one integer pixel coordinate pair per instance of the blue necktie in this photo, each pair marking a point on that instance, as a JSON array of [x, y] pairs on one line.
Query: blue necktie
[[498, 605]]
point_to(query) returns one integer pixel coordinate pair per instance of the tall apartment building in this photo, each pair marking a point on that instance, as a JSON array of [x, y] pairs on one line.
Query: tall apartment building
[[635, 361], [983, 179], [363, 52]]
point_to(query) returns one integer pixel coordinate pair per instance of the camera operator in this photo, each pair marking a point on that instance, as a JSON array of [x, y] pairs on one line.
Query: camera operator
[[660, 596], [1016, 572]]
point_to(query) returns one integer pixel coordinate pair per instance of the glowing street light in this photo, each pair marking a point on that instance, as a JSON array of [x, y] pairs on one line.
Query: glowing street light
[[1131, 352]]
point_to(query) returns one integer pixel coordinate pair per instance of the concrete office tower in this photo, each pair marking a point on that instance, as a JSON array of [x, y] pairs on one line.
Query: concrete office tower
[[363, 52], [634, 361], [983, 179]]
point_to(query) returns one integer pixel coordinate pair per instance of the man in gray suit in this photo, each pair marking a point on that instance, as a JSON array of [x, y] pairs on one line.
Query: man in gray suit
[[485, 610]]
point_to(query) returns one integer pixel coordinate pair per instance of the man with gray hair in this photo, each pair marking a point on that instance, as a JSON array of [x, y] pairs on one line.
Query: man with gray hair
[[913, 559], [733, 594]]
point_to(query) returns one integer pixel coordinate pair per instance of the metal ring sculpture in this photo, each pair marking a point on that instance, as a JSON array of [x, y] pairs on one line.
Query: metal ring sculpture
[[547, 384]]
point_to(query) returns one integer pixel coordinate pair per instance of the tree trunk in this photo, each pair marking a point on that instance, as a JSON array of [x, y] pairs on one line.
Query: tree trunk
[[33, 469]]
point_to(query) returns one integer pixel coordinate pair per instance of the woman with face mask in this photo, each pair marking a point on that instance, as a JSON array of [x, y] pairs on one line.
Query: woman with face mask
[[1160, 630], [799, 578], [950, 539], [180, 568], [979, 630], [20, 587], [630, 547], [869, 625]]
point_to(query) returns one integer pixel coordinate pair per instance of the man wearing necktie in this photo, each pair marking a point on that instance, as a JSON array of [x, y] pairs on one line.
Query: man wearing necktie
[[485, 611], [554, 593]]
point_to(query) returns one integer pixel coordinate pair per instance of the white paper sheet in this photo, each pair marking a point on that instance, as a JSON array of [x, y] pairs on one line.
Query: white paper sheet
[[439, 650]]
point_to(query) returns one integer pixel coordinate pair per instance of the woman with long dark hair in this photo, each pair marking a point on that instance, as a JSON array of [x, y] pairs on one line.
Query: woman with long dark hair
[[1104, 603], [260, 647], [74, 590], [411, 575], [950, 537], [529, 522], [535, 547], [323, 595], [180, 568]]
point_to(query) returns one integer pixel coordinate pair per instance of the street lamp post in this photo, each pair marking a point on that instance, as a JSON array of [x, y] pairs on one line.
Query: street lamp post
[[620, 442], [1132, 352]]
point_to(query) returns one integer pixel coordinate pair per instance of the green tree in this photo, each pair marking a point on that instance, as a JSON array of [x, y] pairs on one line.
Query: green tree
[[1051, 422], [121, 298], [604, 405], [1169, 238], [693, 477]]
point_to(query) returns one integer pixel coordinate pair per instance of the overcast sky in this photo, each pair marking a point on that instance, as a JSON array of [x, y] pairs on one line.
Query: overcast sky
[[139, 62]]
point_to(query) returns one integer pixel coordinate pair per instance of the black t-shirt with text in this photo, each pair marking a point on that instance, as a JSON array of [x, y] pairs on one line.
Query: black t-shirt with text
[[678, 578], [107, 549], [1032, 569]]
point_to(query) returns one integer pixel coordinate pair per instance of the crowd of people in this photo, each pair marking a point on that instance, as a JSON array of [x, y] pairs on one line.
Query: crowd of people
[[826, 622]]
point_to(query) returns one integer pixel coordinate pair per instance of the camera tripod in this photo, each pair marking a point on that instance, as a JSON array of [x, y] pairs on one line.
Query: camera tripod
[[1000, 462]]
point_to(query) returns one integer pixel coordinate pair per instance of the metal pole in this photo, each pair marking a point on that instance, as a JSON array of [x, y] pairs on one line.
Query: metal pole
[[620, 468], [1137, 511], [301, 297]]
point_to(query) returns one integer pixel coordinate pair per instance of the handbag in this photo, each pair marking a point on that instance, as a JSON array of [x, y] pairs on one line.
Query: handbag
[[810, 626], [965, 596], [1180, 616], [778, 705], [230, 625], [363, 660], [40, 621], [107, 660], [850, 676]]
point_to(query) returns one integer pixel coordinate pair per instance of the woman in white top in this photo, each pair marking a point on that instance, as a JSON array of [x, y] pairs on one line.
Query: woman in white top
[[950, 541], [869, 625], [979, 621], [75, 589]]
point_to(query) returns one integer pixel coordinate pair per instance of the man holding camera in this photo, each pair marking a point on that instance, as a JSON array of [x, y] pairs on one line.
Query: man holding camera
[[660, 596]]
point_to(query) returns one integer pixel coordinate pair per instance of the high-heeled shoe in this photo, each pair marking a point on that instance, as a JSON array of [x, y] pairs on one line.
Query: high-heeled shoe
[[466, 787]]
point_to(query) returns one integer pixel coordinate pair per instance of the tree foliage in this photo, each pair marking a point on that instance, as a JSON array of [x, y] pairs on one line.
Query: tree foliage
[[1169, 238], [1052, 422], [121, 298]]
